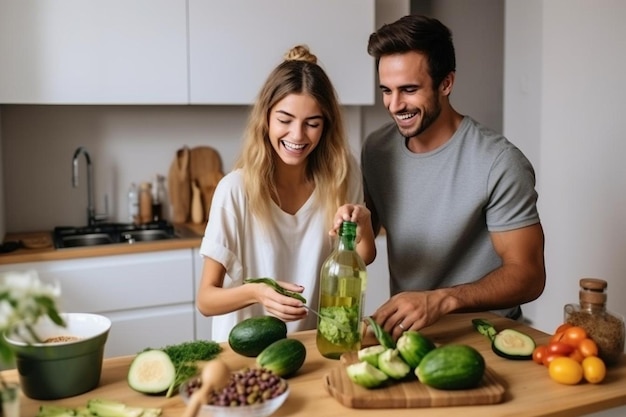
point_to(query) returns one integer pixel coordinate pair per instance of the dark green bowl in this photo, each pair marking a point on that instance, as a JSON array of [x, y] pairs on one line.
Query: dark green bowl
[[50, 371]]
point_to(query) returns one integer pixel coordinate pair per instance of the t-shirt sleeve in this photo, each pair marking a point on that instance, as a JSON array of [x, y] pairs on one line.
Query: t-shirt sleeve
[[223, 233], [512, 195]]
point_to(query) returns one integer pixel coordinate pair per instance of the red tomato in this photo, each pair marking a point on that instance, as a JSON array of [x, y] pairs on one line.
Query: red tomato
[[540, 353], [562, 328], [550, 357], [588, 347], [556, 337], [560, 348], [574, 335], [577, 356]]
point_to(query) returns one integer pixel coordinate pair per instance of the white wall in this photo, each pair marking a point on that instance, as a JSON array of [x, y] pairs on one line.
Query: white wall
[[564, 91]]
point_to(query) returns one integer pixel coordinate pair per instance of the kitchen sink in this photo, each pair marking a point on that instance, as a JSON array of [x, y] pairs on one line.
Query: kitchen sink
[[110, 233], [145, 235], [87, 239]]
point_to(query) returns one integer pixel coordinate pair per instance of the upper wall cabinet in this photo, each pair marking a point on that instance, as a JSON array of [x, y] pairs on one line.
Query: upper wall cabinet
[[175, 51], [93, 52], [235, 44]]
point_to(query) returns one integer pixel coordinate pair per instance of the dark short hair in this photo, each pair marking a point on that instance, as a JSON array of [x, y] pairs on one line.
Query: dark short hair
[[420, 34]]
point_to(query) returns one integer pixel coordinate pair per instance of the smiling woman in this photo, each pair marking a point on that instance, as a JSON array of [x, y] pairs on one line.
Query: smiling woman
[[294, 171]]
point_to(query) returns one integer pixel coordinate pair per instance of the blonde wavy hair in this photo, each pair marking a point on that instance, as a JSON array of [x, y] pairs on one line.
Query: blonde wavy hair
[[329, 165]]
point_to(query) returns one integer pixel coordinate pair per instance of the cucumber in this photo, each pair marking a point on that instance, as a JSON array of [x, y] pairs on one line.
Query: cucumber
[[508, 343], [451, 367], [151, 372], [370, 354], [392, 364], [366, 375], [283, 357], [413, 346], [250, 336], [513, 344], [111, 408]]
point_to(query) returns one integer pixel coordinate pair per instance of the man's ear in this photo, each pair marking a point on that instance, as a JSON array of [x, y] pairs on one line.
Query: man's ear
[[447, 83]]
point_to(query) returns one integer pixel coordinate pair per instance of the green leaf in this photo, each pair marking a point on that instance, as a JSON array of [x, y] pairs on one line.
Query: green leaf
[[382, 336]]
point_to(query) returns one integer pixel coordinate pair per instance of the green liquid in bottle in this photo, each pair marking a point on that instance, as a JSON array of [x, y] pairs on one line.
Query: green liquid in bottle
[[341, 298]]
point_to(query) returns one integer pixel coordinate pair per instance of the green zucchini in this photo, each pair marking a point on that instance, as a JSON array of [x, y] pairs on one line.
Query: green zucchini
[[513, 344], [370, 354], [151, 372], [451, 367], [485, 328], [366, 375], [283, 357], [412, 346], [392, 364], [250, 336], [507, 343]]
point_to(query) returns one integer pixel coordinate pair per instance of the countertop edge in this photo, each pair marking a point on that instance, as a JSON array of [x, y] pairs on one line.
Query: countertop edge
[[190, 238]]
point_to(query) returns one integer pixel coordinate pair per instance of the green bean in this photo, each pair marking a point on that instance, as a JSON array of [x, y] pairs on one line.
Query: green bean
[[276, 287]]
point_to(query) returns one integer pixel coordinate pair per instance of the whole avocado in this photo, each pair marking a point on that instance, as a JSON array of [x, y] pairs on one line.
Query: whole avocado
[[251, 336]]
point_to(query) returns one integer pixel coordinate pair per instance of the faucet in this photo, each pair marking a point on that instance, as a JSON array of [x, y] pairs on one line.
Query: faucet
[[92, 217]]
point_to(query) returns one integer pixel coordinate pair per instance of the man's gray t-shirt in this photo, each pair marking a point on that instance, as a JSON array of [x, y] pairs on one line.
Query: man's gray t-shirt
[[438, 207]]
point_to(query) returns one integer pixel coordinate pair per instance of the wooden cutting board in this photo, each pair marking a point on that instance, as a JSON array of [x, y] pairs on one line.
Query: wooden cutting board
[[408, 394]]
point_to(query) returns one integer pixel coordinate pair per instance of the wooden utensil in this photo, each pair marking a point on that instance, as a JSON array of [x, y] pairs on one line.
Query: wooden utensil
[[215, 376], [179, 186], [205, 169]]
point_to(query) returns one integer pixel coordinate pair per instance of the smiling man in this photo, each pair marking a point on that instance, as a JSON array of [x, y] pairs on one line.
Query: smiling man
[[457, 200]]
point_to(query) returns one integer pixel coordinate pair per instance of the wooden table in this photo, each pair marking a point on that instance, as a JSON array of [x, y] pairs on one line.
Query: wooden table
[[529, 389]]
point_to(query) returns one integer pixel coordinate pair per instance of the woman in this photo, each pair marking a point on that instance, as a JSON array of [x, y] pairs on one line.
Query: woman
[[270, 216]]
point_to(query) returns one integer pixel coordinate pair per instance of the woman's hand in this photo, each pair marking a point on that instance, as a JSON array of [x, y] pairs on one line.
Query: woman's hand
[[362, 216], [284, 307]]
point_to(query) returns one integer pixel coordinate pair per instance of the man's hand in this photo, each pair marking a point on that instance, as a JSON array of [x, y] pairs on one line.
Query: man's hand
[[411, 310]]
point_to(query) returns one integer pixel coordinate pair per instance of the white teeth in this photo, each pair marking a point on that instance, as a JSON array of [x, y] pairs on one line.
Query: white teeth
[[294, 146], [405, 116]]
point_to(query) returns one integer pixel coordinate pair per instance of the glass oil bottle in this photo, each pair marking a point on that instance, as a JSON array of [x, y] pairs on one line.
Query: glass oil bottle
[[342, 284]]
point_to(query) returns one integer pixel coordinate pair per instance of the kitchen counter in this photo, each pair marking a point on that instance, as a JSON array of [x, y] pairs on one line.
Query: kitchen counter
[[529, 389], [38, 246]]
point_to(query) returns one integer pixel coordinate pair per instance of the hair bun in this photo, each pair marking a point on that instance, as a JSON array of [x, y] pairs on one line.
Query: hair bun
[[300, 53]]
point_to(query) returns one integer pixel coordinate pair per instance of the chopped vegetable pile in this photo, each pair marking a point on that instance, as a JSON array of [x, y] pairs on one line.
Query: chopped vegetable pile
[[347, 317]]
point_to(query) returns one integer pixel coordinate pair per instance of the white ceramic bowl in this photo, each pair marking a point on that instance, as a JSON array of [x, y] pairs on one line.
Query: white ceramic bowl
[[263, 409], [50, 371]]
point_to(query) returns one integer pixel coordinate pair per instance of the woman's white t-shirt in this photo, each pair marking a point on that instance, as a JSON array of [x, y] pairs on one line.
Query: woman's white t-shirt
[[293, 247]]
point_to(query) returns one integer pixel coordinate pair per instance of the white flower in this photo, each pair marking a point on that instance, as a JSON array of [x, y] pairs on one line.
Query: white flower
[[24, 299]]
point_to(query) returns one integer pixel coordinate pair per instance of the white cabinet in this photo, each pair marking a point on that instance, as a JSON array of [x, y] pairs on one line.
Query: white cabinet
[[93, 52], [149, 297], [175, 51], [233, 45]]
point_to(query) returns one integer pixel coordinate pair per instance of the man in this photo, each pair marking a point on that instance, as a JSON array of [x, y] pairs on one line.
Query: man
[[457, 200]]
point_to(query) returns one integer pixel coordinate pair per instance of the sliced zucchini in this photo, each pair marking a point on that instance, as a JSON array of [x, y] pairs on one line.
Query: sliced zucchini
[[370, 354], [392, 364], [151, 372], [513, 344], [364, 374]]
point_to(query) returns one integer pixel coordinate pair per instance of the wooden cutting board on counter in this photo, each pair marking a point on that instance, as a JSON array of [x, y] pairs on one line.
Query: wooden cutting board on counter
[[408, 394]]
